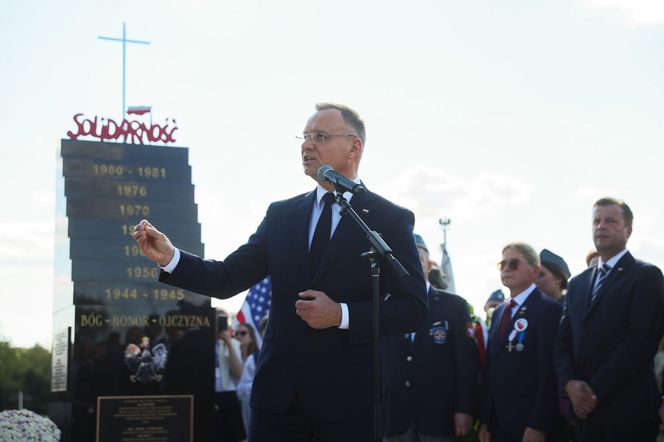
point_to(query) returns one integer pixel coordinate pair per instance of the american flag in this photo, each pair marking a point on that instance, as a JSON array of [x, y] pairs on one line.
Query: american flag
[[256, 305]]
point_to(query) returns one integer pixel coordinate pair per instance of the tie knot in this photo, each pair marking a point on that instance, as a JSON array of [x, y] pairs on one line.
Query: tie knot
[[328, 198], [605, 268], [510, 305]]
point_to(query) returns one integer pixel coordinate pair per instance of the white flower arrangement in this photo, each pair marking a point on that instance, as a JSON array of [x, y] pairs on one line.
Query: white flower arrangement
[[27, 426]]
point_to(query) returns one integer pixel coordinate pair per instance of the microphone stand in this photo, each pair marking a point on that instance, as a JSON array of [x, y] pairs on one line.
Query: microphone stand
[[379, 251]]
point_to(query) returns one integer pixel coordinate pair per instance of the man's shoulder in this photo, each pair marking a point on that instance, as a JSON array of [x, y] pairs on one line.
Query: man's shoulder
[[546, 303], [384, 202], [638, 263], [289, 202], [448, 300], [546, 300], [448, 297], [380, 210], [581, 277], [295, 198], [648, 274]]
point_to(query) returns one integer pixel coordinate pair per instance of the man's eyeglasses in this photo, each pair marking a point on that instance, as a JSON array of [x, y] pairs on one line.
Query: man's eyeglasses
[[241, 333], [320, 137], [511, 264]]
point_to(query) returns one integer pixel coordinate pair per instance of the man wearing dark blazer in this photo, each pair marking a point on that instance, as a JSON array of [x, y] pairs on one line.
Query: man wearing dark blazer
[[613, 322], [518, 388], [314, 374], [433, 374]]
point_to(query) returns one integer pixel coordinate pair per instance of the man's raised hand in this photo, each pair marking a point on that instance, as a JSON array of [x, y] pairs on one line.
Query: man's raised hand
[[155, 245]]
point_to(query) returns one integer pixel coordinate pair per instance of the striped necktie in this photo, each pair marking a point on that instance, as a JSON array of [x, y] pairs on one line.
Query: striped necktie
[[601, 277]]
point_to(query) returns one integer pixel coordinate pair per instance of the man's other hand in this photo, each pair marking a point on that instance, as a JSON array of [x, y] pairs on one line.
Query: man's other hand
[[462, 424], [532, 435], [582, 396], [484, 434], [318, 310]]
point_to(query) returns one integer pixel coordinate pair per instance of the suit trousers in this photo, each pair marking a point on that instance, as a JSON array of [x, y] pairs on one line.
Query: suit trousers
[[229, 426], [293, 425], [413, 436], [645, 431]]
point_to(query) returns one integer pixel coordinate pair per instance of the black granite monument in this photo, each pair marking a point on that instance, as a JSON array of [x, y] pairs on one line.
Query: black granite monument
[[133, 359]]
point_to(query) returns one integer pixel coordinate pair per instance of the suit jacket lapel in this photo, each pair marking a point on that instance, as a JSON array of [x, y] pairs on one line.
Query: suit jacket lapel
[[424, 331], [611, 280], [588, 293], [495, 326], [301, 215], [344, 234]]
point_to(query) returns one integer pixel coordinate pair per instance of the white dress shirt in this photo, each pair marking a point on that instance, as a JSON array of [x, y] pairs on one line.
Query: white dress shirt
[[521, 298], [611, 263]]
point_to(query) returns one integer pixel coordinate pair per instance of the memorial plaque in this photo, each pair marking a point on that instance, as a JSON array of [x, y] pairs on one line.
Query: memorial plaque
[[145, 418], [138, 346], [60, 360]]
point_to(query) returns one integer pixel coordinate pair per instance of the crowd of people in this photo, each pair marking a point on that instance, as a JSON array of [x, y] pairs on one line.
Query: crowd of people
[[235, 367], [561, 357]]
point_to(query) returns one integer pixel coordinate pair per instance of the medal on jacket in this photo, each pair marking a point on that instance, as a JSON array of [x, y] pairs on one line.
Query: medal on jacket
[[522, 338], [521, 324], [439, 332], [510, 339]]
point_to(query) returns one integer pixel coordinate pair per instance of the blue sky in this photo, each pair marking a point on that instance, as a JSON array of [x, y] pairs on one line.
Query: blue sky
[[511, 119]]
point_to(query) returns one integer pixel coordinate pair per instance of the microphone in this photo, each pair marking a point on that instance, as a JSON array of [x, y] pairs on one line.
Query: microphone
[[340, 182]]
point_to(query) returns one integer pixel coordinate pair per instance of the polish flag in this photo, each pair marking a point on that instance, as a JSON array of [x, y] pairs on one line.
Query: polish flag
[[139, 110]]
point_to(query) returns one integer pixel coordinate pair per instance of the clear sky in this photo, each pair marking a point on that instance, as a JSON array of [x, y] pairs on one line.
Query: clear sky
[[510, 118]]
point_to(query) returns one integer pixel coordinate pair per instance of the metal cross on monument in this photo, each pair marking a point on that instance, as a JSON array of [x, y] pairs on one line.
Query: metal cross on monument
[[124, 59]]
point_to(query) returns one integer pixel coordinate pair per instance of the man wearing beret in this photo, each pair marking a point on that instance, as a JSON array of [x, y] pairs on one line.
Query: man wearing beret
[[495, 299], [433, 373]]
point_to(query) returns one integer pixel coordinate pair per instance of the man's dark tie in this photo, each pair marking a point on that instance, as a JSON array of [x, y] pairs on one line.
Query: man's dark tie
[[322, 234], [601, 276], [505, 321]]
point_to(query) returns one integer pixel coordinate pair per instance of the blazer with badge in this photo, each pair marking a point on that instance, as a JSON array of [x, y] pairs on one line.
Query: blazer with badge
[[611, 342], [436, 375], [518, 387], [328, 372]]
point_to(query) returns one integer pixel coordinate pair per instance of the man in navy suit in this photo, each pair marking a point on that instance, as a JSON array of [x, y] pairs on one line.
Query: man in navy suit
[[613, 322], [518, 388], [314, 374], [433, 374]]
